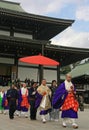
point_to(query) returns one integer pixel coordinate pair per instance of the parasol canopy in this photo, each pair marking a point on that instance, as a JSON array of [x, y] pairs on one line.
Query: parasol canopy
[[39, 60]]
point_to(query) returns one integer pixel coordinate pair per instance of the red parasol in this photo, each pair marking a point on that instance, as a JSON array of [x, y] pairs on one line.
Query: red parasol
[[39, 60]]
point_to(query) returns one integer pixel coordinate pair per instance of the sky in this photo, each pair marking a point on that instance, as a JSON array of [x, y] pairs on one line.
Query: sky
[[75, 36]]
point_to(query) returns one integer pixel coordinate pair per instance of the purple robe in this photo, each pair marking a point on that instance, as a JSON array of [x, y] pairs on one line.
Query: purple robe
[[19, 101], [58, 100], [38, 100], [37, 104], [3, 102]]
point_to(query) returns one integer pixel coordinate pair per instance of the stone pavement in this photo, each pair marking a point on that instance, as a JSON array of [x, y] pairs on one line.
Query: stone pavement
[[26, 124]]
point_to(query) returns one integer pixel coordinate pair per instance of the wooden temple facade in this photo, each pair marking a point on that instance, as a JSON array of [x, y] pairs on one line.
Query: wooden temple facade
[[24, 34]]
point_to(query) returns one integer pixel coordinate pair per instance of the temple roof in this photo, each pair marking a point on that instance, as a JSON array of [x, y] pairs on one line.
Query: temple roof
[[80, 70], [42, 27], [11, 6], [80, 74]]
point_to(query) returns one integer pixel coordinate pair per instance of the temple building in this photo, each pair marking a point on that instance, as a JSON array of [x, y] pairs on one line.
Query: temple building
[[80, 75], [24, 34]]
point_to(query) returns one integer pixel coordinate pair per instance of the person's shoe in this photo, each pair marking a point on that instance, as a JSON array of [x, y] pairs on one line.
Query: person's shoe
[[1, 112], [17, 114], [75, 126], [44, 120], [64, 125], [50, 119], [5, 113], [56, 120], [26, 116], [34, 119], [11, 118]]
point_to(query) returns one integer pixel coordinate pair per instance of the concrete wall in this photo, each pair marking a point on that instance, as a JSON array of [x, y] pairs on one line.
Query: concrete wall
[[6, 60], [6, 33], [22, 35], [25, 71]]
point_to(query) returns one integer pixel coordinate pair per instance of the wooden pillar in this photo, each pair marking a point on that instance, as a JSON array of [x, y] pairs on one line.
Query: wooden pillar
[[15, 69], [16, 64], [12, 31], [41, 68], [58, 74], [40, 73]]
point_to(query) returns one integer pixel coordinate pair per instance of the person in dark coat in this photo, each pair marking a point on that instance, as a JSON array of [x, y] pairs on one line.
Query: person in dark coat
[[12, 97], [81, 103], [32, 98], [54, 114]]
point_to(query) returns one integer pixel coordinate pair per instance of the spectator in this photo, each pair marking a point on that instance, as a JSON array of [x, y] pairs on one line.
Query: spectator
[[54, 114]]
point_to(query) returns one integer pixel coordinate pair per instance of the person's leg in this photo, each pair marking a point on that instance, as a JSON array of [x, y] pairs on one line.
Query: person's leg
[[64, 122], [43, 118], [24, 111], [74, 124], [26, 114], [43, 114], [35, 111], [51, 114], [1, 108], [18, 113], [0, 111], [56, 114], [5, 111], [11, 112], [14, 108], [31, 110]]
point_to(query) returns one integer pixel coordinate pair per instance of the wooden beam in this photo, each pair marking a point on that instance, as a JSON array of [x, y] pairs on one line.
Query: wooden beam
[[58, 74]]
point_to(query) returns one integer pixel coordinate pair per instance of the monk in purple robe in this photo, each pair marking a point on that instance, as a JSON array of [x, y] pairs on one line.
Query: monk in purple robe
[[65, 99]]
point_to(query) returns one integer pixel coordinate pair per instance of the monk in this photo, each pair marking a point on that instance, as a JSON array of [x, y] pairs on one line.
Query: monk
[[65, 99], [43, 100]]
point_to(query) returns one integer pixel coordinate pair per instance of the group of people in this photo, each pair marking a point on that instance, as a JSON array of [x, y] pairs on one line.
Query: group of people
[[48, 100]]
